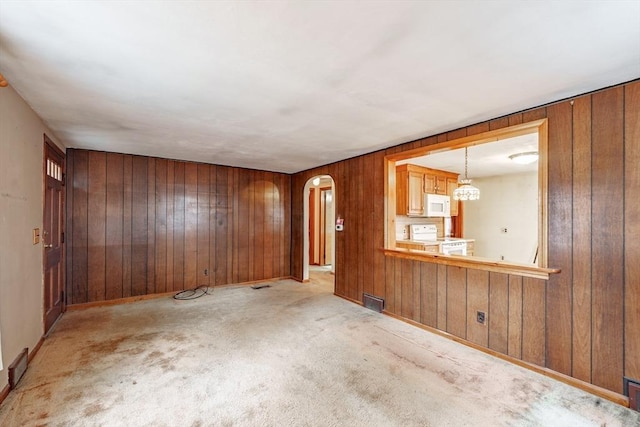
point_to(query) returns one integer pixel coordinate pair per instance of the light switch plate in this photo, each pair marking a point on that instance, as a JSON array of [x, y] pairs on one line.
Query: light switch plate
[[36, 236]]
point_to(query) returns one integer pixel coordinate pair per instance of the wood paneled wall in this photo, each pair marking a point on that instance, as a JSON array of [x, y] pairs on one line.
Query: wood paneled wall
[[142, 225], [584, 321]]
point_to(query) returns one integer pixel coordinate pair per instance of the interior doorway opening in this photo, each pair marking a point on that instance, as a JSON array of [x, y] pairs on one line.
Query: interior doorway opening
[[319, 224]]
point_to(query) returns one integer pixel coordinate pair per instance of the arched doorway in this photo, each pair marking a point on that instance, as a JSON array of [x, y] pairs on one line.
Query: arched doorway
[[319, 224]]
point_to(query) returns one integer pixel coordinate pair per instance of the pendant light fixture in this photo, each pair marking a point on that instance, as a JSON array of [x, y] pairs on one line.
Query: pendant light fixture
[[465, 190]]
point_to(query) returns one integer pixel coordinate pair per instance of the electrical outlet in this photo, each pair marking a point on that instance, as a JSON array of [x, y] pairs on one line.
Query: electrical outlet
[[481, 317], [206, 271]]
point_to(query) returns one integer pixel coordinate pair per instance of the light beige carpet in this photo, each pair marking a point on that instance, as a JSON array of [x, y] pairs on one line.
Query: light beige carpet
[[288, 355]]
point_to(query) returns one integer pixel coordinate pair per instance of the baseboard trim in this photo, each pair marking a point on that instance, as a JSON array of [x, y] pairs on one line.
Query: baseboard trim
[[574, 382], [351, 300], [128, 300], [4, 393], [36, 348]]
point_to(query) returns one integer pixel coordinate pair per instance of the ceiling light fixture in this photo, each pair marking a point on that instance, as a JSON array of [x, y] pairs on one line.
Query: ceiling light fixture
[[316, 181], [525, 158], [466, 191]]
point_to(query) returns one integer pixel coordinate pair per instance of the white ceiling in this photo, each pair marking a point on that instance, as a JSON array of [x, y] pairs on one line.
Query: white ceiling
[[287, 85], [489, 159]]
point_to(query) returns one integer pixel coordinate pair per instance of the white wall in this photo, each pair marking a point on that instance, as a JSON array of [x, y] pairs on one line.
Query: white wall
[[21, 193], [510, 202]]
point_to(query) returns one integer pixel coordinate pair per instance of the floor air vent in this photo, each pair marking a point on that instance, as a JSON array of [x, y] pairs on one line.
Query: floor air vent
[[632, 390], [18, 368], [373, 303]]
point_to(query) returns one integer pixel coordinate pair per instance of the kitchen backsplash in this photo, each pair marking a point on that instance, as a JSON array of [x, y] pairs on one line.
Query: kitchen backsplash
[[403, 223]]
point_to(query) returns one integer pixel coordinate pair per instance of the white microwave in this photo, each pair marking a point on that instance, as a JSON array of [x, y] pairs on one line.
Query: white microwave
[[436, 205]]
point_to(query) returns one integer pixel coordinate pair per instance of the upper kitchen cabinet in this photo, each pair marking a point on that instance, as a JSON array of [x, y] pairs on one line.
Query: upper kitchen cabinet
[[409, 190], [412, 182]]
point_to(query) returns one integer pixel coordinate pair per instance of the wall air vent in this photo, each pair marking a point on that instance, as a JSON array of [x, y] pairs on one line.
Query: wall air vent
[[18, 368], [373, 303]]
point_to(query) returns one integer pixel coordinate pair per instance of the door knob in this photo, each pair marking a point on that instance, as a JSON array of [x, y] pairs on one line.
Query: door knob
[[48, 246]]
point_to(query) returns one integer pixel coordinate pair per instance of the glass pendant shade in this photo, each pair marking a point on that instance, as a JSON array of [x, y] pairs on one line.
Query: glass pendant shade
[[465, 190]]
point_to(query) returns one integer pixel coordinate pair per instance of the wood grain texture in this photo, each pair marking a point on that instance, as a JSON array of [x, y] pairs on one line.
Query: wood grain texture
[[114, 225], [139, 230], [151, 226], [477, 300], [581, 235], [407, 288], [457, 301], [127, 171], [533, 321], [96, 226], [607, 262], [499, 312], [632, 230], [442, 298], [559, 252], [428, 294], [515, 317]]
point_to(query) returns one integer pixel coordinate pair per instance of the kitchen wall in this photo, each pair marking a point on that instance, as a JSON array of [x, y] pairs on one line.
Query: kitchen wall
[[21, 208], [507, 201], [583, 321], [142, 225]]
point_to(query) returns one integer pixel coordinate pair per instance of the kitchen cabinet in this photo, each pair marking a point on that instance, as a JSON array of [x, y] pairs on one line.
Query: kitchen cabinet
[[409, 190], [413, 181], [420, 246]]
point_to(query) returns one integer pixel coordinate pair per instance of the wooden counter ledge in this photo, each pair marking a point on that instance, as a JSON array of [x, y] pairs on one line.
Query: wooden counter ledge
[[472, 262]]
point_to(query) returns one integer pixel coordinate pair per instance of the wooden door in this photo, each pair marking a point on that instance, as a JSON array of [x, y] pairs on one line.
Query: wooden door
[[326, 226], [53, 233], [312, 227]]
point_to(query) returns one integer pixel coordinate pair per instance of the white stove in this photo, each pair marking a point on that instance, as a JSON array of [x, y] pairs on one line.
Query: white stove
[[423, 232], [429, 233]]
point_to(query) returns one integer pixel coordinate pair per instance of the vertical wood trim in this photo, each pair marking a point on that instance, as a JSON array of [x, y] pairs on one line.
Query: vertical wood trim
[[68, 246], [429, 294], [559, 296], [213, 229], [161, 231], [139, 230], [389, 270], [114, 225], [607, 234], [191, 226], [477, 300], [499, 312], [96, 273], [442, 297], [533, 321], [127, 215], [407, 289], [202, 256], [222, 225], [378, 227], [170, 225], [581, 236], [515, 317], [258, 231], [151, 226], [457, 301], [179, 226], [632, 230]]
